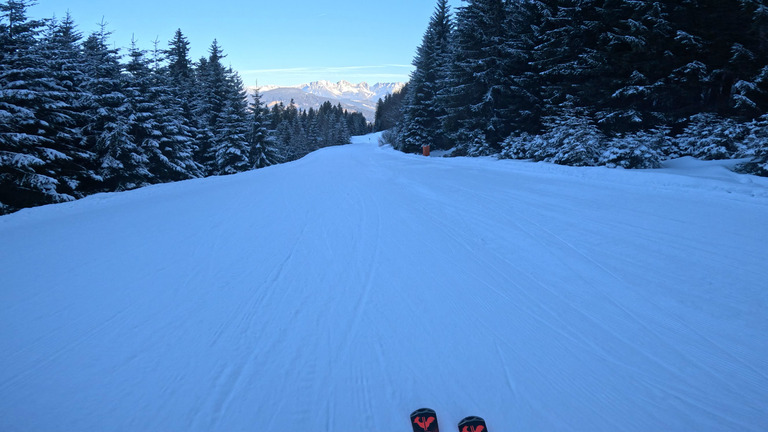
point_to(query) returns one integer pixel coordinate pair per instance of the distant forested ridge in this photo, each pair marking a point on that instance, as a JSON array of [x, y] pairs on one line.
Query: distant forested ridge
[[79, 117], [592, 82]]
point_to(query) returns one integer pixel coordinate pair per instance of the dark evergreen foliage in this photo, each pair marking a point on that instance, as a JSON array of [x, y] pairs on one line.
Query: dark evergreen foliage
[[758, 141], [261, 152], [34, 110], [107, 131], [77, 118], [621, 83], [478, 105], [61, 50], [389, 111], [422, 113], [298, 132]]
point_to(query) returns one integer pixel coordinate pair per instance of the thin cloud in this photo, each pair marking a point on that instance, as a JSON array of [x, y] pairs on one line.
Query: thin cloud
[[325, 69]]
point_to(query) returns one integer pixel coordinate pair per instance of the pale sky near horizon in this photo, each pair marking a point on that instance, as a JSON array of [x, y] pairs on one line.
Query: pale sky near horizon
[[272, 42]]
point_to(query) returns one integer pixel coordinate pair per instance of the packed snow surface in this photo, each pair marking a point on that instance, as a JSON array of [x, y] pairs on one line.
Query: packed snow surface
[[345, 290]]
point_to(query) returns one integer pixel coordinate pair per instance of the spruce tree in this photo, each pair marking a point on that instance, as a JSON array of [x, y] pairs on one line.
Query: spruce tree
[[340, 131], [711, 53], [422, 113], [157, 121], [298, 143], [521, 82], [182, 83], [750, 91], [112, 114], [60, 48], [211, 96], [179, 64], [758, 141], [721, 24], [566, 55], [632, 46], [33, 111], [313, 129], [175, 160], [571, 139], [389, 111], [480, 103], [232, 127], [260, 155], [221, 110], [143, 121], [378, 115]]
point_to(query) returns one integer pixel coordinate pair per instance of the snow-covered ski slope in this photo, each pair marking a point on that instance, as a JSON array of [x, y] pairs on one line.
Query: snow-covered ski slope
[[343, 291]]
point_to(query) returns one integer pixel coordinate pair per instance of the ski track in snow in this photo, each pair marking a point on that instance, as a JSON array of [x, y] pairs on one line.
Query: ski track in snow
[[342, 291]]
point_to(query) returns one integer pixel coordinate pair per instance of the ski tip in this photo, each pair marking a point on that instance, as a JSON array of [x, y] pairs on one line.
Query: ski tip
[[423, 411], [472, 424], [424, 420]]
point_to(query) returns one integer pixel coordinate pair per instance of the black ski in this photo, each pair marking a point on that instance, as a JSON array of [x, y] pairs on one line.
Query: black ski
[[424, 420], [472, 424]]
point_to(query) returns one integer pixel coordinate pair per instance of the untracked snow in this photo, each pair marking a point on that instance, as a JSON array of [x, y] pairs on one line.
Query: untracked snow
[[347, 289]]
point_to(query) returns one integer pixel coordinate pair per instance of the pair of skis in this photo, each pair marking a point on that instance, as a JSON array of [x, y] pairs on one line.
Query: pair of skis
[[425, 420]]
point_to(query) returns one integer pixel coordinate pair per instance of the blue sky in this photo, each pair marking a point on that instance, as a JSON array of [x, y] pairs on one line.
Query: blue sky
[[274, 42]]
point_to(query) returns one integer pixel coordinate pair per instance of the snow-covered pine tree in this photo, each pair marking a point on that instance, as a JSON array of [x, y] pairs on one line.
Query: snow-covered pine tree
[[276, 115], [313, 128], [710, 137], [356, 123], [520, 146], [757, 142], [716, 52], [282, 137], [290, 136], [231, 131], [298, 143], [422, 112], [732, 50], [478, 99], [324, 119], [157, 121], [341, 134], [67, 65], [208, 105], [637, 150], [291, 111], [144, 125], [182, 76], [749, 97], [179, 63], [571, 139], [632, 46], [377, 115], [60, 47], [121, 162], [389, 112], [566, 57], [176, 135], [522, 84], [33, 112], [179, 77], [221, 110], [260, 154]]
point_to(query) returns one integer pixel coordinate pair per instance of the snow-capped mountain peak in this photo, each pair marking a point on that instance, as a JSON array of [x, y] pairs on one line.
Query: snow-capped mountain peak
[[341, 89], [361, 97]]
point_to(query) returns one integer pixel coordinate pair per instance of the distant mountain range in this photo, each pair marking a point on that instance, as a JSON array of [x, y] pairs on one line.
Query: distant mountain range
[[360, 97]]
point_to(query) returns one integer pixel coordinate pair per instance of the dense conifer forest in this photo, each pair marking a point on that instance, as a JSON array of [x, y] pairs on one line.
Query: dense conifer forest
[[78, 116], [591, 82]]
